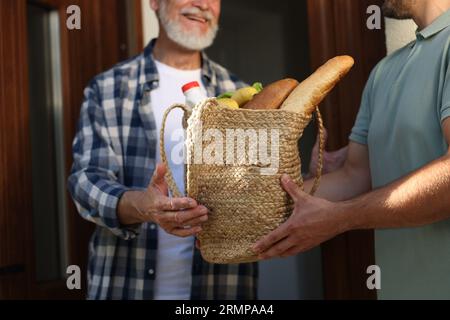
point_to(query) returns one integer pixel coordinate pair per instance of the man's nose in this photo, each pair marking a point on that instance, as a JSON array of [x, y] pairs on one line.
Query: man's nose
[[202, 4]]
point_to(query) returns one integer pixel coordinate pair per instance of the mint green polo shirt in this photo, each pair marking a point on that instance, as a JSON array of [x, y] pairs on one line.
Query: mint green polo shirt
[[404, 103]]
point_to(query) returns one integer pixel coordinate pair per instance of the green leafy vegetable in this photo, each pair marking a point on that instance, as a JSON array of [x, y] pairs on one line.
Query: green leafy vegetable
[[258, 86], [226, 95]]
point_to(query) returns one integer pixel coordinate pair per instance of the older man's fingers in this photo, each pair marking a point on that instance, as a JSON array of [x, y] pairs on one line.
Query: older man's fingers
[[269, 240], [186, 232], [174, 204], [186, 216], [182, 217], [196, 221]]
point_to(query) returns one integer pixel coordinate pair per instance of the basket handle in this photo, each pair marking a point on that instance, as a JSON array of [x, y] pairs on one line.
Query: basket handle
[[169, 176], [321, 150], [162, 150]]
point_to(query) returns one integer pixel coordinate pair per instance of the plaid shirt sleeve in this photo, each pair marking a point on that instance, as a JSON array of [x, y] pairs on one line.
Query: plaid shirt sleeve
[[93, 182]]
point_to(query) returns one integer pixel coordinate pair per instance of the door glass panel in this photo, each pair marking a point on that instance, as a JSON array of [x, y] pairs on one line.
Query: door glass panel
[[46, 126]]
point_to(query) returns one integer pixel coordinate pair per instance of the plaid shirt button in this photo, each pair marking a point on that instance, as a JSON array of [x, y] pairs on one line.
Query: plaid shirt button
[[152, 226], [151, 272]]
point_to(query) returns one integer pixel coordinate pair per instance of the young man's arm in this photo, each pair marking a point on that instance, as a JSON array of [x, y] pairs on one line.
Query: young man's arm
[[349, 181], [420, 198]]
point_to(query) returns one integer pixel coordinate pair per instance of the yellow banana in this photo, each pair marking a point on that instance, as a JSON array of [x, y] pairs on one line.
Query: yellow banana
[[244, 95], [229, 103]]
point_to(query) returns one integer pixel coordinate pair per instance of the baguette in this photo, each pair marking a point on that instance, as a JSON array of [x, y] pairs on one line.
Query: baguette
[[272, 96], [310, 93]]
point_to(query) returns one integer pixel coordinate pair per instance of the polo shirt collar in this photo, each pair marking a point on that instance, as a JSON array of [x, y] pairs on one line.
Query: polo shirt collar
[[442, 22]]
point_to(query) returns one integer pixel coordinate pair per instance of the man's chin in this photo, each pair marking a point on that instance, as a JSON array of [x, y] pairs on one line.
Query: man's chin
[[395, 10], [200, 29], [197, 31], [192, 42], [189, 36], [196, 46]]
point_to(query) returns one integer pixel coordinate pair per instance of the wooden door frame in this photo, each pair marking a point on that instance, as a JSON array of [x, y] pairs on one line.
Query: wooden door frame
[[339, 27]]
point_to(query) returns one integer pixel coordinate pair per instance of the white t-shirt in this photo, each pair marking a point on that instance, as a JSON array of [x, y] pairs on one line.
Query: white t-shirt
[[173, 275]]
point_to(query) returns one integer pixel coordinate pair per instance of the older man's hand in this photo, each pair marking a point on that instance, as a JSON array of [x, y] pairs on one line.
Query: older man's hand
[[313, 221], [178, 216]]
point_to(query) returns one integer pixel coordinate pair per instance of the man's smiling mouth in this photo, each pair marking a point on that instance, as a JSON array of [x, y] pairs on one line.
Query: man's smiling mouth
[[196, 18]]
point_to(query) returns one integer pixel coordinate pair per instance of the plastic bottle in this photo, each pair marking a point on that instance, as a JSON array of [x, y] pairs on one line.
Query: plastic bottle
[[193, 93]]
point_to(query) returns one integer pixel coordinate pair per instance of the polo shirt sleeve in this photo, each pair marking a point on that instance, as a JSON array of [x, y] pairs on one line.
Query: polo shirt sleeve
[[360, 129], [445, 105]]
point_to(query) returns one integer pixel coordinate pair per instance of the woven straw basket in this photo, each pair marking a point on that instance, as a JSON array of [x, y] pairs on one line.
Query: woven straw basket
[[243, 203]]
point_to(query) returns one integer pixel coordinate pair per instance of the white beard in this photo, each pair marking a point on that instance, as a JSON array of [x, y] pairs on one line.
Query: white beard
[[191, 41]]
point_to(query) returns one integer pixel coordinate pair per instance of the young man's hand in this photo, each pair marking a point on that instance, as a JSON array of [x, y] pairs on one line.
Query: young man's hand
[[312, 222], [178, 216]]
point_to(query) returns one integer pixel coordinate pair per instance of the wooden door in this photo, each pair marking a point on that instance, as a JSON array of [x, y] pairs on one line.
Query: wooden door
[[15, 224], [339, 27], [111, 30]]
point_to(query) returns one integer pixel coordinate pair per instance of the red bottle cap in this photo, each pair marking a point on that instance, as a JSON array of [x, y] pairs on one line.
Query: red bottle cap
[[190, 85]]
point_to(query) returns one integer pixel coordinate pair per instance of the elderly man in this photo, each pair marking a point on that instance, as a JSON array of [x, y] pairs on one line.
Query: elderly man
[[399, 148], [143, 245]]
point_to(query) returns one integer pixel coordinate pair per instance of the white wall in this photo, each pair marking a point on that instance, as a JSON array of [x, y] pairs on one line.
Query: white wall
[[399, 33], [149, 22]]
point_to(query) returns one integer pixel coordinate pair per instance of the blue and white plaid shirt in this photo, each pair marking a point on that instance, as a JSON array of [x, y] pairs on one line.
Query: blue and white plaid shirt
[[114, 151]]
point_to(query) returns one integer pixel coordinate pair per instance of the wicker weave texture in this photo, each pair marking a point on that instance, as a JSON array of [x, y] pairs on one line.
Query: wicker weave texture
[[244, 202]]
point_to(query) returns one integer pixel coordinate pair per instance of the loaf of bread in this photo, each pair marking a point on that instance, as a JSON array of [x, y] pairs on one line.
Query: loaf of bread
[[310, 93], [273, 95]]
